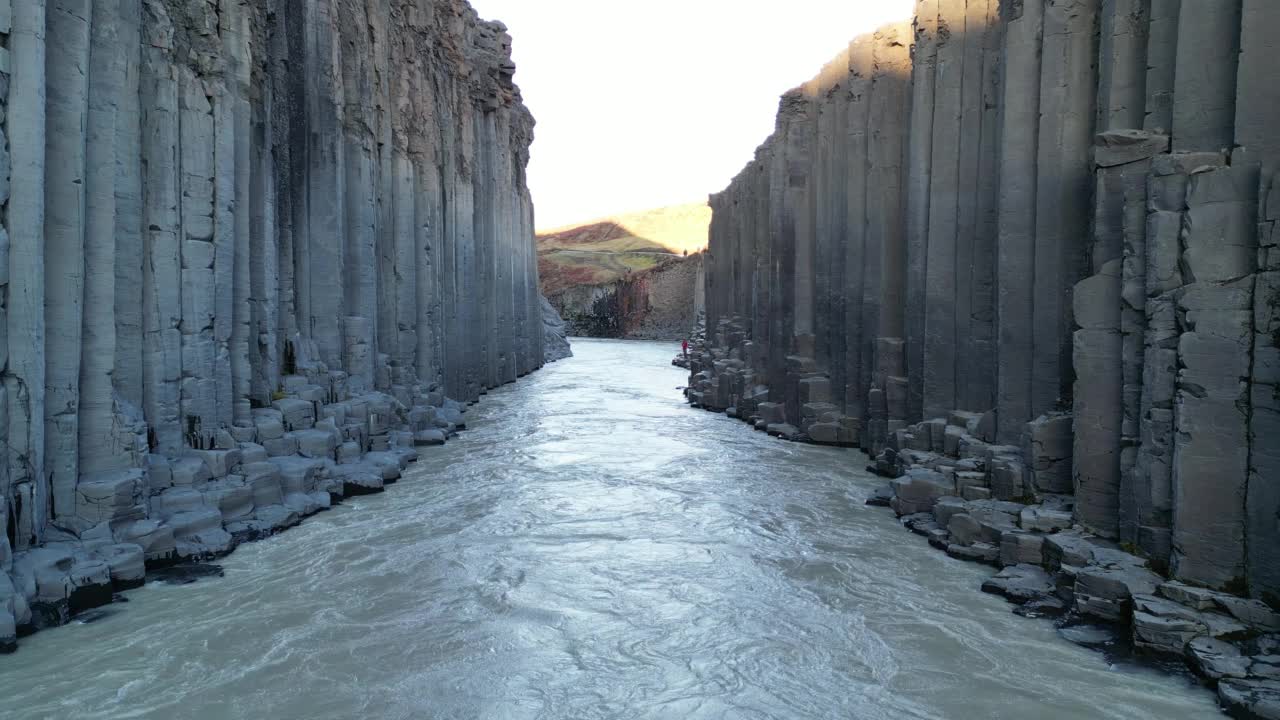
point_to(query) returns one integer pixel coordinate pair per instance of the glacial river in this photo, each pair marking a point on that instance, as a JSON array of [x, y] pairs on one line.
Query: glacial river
[[590, 548]]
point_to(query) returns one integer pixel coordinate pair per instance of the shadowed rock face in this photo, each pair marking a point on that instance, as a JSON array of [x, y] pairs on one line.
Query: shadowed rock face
[[556, 344], [247, 252], [1033, 243]]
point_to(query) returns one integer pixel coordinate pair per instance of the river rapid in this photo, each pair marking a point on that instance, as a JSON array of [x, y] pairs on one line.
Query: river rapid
[[590, 548]]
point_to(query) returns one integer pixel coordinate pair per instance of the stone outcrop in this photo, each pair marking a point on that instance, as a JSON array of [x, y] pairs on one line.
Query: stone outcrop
[[555, 344], [248, 251], [1025, 252]]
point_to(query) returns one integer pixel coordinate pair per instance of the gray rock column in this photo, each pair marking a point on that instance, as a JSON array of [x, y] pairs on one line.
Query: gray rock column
[[126, 374], [800, 189], [1015, 241], [919, 174], [427, 248], [359, 352], [1210, 467], [449, 267], [367, 264], [1257, 93], [1097, 409], [976, 226], [890, 106], [1064, 174], [758, 184], [1263, 529], [199, 277], [832, 232], [67, 88], [405, 275], [224, 260], [235, 32], [1123, 158], [6, 488], [873, 245], [1162, 58], [944, 278], [1257, 106], [1204, 96], [323, 275], [161, 269], [485, 237], [25, 379], [1110, 308], [264, 252], [858, 281], [1122, 72], [1153, 470], [97, 450]]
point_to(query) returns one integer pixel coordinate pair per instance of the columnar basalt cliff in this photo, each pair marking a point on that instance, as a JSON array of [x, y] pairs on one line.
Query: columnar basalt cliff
[[1024, 251], [248, 250]]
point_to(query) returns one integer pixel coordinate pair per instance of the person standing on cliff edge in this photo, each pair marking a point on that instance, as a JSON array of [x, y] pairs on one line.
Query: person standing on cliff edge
[[684, 348]]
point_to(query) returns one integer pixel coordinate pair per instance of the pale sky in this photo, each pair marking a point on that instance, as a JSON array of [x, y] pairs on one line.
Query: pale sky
[[647, 103]]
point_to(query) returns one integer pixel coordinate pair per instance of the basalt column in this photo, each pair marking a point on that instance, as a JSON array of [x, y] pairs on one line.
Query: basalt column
[[1257, 106], [829, 221], [849, 379], [1015, 239], [1060, 269], [887, 407], [1109, 307], [255, 249], [924, 68], [961, 202], [1067, 104]]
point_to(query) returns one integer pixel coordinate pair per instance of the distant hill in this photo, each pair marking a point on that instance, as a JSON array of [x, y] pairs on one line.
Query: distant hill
[[607, 249]]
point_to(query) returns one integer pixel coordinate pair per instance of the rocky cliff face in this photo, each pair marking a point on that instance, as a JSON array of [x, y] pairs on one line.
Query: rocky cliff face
[[247, 249], [660, 303], [1056, 217]]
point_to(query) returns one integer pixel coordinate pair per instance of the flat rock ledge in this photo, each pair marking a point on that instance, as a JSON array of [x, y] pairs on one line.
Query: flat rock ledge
[[321, 441]]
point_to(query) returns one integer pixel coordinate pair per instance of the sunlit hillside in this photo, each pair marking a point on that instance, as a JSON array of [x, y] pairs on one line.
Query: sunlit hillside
[[605, 249]]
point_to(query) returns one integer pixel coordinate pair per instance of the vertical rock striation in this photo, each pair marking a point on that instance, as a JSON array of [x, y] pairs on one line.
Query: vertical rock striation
[[251, 251], [1036, 261]]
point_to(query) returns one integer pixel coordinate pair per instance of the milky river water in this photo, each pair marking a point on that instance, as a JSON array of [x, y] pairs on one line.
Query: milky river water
[[590, 548]]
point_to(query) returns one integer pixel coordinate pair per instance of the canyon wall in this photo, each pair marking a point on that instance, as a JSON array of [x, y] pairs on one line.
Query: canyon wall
[[659, 303], [1030, 245], [248, 250]]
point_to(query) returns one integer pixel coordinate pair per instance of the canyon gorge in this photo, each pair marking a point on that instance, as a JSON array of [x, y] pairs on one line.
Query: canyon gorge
[[1009, 268], [251, 255], [1024, 253]]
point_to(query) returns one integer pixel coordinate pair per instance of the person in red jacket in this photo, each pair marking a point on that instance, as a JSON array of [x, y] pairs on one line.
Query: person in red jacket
[[684, 348]]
